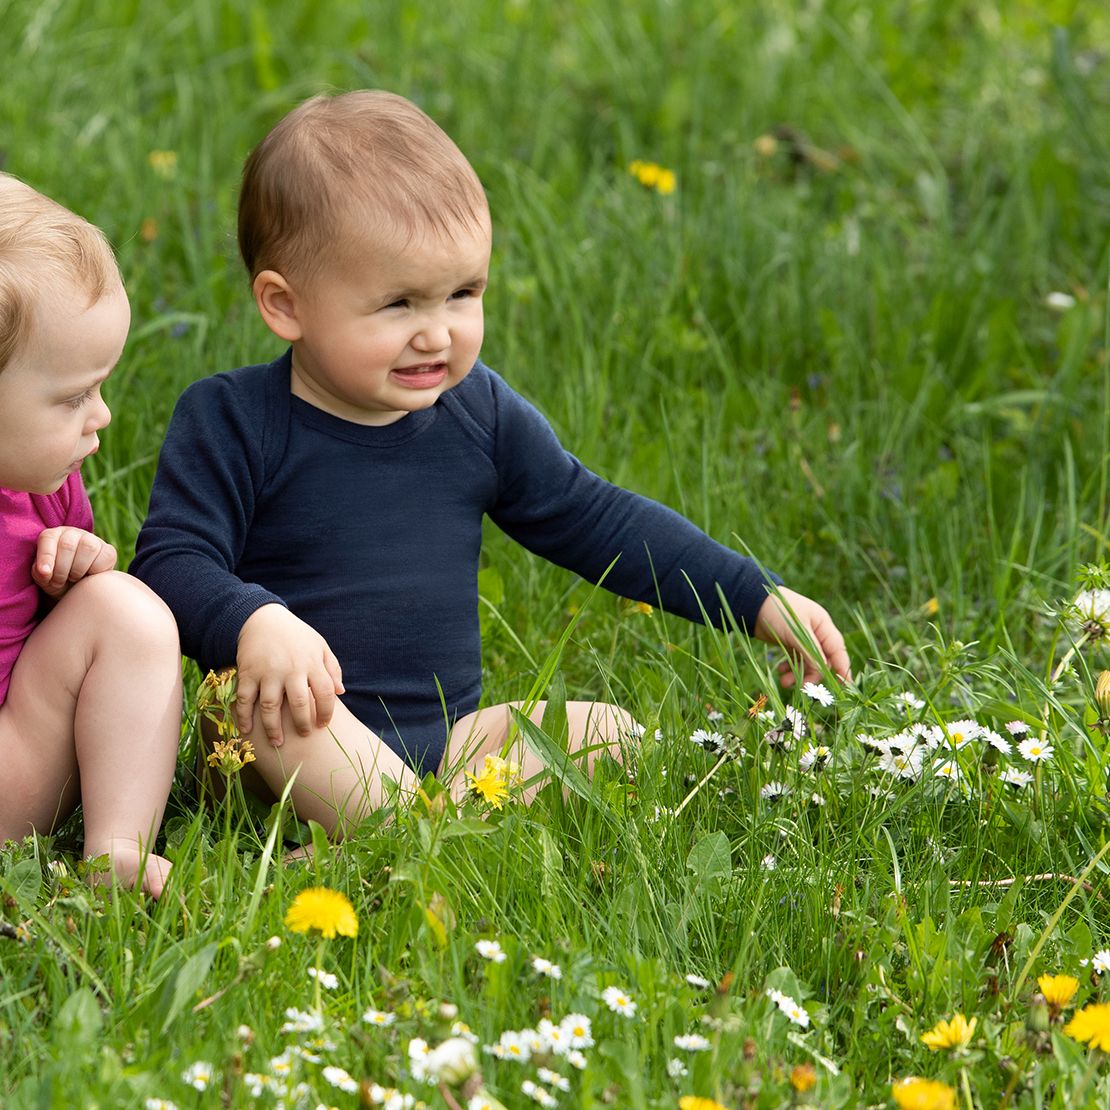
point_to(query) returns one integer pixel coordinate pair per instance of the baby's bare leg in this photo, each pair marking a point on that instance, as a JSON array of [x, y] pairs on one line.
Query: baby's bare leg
[[596, 726], [94, 713], [339, 769]]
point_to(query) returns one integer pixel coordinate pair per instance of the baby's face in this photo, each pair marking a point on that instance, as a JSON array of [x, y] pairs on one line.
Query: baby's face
[[50, 404], [393, 328]]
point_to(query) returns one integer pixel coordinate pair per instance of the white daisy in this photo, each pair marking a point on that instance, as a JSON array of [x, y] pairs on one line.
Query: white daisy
[[947, 769], [692, 1042], [712, 742], [618, 1002], [814, 757], [515, 1045], [1059, 302], [797, 722], [545, 967], [1036, 751], [1017, 729], [1012, 776], [576, 1059], [769, 863], [1100, 961], [337, 1077], [676, 1069], [958, 734], [819, 692], [905, 765], [714, 715], [198, 1075], [302, 1021], [1091, 614], [910, 701], [698, 981], [773, 791], [577, 1030], [999, 743], [553, 1079], [490, 950], [325, 978], [159, 1104], [537, 1093]]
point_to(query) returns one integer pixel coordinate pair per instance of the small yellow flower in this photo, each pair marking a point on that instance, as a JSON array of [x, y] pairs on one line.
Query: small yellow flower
[[231, 755], [765, 145], [494, 781], [956, 1033], [803, 1077], [693, 1102], [326, 911], [915, 1093], [1102, 693], [1092, 1026], [163, 162], [1058, 990], [653, 176]]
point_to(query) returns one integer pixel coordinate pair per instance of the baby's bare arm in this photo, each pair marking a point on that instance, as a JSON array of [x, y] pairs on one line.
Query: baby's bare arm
[[282, 659], [789, 619]]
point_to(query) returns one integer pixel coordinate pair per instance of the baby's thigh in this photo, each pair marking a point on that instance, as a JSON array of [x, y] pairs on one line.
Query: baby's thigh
[[595, 726], [339, 770]]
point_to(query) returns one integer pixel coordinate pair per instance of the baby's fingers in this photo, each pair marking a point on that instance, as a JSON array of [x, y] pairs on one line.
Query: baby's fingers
[[245, 697], [301, 704], [323, 694], [832, 644], [271, 694]]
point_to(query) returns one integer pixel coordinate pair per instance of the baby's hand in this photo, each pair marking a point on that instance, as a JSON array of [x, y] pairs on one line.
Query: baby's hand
[[775, 625], [280, 658], [65, 555]]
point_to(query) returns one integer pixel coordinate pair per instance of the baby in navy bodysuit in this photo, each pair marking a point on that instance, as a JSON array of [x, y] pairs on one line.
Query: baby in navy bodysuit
[[317, 520]]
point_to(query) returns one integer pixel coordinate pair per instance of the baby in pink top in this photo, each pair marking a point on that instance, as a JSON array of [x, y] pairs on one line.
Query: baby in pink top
[[78, 639]]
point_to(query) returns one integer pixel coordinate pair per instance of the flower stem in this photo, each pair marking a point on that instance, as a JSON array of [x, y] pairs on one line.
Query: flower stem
[[708, 775]]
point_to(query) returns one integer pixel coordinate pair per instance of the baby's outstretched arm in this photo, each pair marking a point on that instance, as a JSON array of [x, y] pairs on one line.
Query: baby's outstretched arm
[[787, 619], [66, 555], [281, 658]]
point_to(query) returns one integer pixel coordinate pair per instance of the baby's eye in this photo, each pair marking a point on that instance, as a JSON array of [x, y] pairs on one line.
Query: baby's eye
[[462, 294], [76, 402], [398, 304]]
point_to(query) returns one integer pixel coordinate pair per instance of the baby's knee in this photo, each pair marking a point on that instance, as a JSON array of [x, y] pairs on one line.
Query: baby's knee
[[122, 606], [604, 726]]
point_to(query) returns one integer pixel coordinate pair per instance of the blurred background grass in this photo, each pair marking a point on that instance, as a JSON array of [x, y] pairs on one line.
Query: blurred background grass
[[832, 344]]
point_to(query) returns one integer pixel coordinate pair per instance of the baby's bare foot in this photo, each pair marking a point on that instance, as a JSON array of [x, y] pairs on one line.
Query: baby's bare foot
[[131, 866]]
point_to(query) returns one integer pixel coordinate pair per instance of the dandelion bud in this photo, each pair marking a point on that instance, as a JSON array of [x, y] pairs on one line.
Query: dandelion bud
[[452, 1062], [1102, 694], [1038, 1018]]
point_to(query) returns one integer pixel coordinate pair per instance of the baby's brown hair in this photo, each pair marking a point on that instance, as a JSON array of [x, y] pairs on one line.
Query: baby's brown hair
[[369, 154], [42, 243]]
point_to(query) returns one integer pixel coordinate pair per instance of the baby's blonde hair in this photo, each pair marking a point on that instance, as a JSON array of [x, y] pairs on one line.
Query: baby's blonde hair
[[43, 244], [369, 154]]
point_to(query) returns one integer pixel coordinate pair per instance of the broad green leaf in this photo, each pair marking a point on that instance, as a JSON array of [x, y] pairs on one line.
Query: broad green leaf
[[186, 982]]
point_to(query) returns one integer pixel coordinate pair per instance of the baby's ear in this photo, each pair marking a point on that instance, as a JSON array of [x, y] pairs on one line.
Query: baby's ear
[[277, 304]]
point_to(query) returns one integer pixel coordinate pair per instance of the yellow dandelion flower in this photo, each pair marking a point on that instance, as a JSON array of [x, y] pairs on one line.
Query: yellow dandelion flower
[[803, 1077], [163, 162], [956, 1033], [1058, 990], [646, 173], [666, 182], [915, 1093], [693, 1102], [1092, 1026], [326, 911], [493, 783]]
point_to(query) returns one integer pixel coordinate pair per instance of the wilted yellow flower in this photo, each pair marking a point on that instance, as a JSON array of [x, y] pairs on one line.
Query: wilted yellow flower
[[915, 1093], [766, 145], [163, 162], [693, 1102], [956, 1033], [326, 911], [493, 783], [1092, 1026], [803, 1077], [1058, 990]]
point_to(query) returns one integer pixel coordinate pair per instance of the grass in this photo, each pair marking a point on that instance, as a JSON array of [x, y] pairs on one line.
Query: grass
[[833, 349]]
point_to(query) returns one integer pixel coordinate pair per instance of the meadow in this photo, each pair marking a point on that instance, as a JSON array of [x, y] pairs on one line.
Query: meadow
[[863, 336]]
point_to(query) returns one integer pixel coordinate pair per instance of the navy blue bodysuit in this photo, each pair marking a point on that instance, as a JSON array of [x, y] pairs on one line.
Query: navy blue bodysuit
[[372, 536]]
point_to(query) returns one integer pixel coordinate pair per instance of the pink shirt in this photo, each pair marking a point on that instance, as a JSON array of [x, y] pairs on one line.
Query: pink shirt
[[22, 517]]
